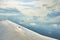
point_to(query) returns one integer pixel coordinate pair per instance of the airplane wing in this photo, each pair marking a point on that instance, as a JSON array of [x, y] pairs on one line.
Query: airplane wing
[[13, 31]]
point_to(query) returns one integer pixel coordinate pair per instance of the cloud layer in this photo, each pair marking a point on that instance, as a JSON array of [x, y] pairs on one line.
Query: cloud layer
[[30, 8]]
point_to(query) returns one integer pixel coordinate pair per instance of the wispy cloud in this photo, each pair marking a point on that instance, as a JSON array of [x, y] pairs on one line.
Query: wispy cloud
[[8, 14], [27, 0]]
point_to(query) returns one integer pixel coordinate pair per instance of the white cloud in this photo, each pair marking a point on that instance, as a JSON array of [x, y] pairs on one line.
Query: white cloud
[[54, 25], [18, 5], [8, 14], [9, 5], [46, 6], [33, 24], [43, 11]]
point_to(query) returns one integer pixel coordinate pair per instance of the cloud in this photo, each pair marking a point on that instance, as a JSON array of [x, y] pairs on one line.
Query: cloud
[[8, 5], [43, 11], [55, 25], [18, 5], [27, 0], [33, 8], [8, 14], [33, 24]]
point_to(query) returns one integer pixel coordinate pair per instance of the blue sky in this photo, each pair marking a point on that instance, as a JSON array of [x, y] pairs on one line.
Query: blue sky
[[8, 10]]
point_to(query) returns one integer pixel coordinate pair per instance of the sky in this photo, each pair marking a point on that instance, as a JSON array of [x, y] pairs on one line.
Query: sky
[[46, 10], [33, 11]]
